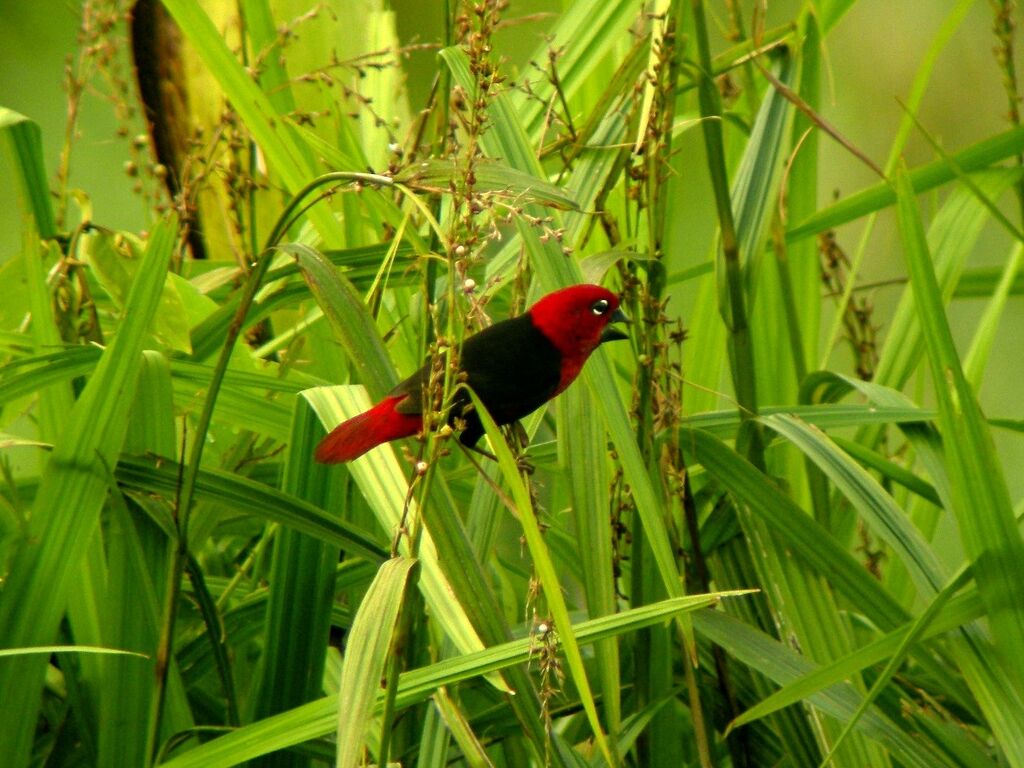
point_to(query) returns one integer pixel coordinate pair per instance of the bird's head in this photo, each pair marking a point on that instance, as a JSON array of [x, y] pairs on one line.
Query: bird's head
[[576, 319]]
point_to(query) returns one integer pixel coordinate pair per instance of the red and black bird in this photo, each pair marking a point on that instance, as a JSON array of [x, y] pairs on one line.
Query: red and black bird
[[514, 367]]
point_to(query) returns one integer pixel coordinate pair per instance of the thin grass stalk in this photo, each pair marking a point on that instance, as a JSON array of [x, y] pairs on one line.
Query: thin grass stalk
[[655, 654], [186, 495], [1004, 27], [733, 303], [186, 499]]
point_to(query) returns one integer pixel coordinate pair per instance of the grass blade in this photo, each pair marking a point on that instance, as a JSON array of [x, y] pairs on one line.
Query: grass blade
[[23, 139], [72, 492], [982, 505], [366, 652], [301, 578], [545, 568], [976, 157]]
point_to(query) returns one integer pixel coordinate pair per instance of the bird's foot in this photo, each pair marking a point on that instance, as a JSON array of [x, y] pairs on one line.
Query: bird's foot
[[524, 464]]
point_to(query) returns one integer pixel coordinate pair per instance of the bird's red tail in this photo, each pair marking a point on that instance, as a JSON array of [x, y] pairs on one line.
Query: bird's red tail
[[352, 438]]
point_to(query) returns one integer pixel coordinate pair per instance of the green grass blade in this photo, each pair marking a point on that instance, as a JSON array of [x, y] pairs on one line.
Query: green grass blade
[[236, 491], [582, 35], [301, 587], [46, 650], [951, 239], [545, 568], [982, 282], [137, 560], [733, 298], [889, 470], [755, 193], [263, 34], [805, 538], [724, 424], [24, 142], [586, 446], [982, 505], [366, 651], [913, 635], [783, 665], [74, 487], [507, 138], [957, 612], [981, 345], [348, 317], [457, 722], [801, 257], [976, 157], [877, 508]]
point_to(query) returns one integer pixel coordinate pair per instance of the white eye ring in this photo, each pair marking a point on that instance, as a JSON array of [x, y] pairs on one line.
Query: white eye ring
[[599, 307]]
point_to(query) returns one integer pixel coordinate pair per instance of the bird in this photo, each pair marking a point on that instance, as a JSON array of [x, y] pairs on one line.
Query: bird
[[513, 366]]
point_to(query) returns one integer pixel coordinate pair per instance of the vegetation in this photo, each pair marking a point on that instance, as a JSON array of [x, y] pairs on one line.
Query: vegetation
[[773, 528]]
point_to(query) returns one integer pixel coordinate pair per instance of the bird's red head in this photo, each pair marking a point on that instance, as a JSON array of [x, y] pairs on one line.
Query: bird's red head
[[575, 320]]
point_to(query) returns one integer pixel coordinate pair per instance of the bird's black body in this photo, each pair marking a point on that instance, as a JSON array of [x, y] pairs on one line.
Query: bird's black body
[[513, 368]]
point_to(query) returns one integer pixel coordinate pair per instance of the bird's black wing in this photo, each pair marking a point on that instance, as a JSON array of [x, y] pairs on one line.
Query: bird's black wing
[[413, 388], [511, 366]]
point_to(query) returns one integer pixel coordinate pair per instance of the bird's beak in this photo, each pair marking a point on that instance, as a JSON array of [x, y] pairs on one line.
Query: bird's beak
[[613, 334]]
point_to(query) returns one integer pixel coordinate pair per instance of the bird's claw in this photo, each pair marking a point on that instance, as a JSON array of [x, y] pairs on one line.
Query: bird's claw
[[524, 465]]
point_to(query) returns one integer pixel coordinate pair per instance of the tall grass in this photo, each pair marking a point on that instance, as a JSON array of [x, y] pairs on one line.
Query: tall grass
[[740, 544]]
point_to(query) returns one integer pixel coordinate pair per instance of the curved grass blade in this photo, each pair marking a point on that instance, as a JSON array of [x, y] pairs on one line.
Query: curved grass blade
[[46, 650], [876, 507], [545, 569], [913, 635], [348, 317], [24, 140], [784, 665], [725, 424], [804, 537], [889, 469], [238, 492]]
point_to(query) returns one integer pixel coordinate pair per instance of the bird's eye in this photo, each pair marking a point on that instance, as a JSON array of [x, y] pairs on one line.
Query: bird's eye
[[599, 307]]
